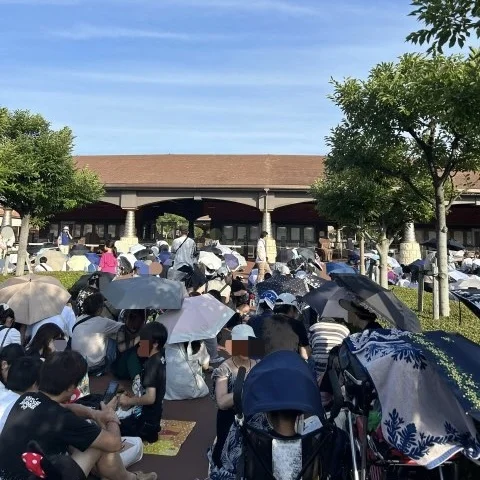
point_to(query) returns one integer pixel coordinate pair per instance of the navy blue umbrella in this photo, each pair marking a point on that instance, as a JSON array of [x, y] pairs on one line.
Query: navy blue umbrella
[[457, 360], [337, 267], [281, 381]]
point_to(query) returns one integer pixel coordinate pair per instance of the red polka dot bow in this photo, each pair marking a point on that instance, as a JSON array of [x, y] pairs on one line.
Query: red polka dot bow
[[33, 462]]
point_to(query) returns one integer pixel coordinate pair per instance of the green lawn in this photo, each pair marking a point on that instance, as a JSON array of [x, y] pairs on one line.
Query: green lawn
[[462, 321]]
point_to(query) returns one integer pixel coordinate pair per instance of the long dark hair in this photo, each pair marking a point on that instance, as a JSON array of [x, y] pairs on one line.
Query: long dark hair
[[111, 244], [46, 333]]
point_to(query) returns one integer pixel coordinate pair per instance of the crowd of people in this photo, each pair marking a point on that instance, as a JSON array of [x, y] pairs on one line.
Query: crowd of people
[[45, 401]]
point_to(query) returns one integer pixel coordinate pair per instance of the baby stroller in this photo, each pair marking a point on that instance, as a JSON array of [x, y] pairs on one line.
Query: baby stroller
[[355, 394], [283, 382]]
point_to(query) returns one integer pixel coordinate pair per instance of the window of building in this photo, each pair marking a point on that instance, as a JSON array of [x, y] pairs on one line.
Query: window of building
[[254, 232], [309, 235], [100, 229], [281, 233], [295, 234], [54, 230], [228, 232], [87, 228], [470, 239], [241, 232], [112, 231], [77, 230], [458, 236]]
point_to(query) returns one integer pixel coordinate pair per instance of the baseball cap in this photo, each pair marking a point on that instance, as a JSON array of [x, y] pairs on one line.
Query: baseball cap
[[242, 332], [287, 299]]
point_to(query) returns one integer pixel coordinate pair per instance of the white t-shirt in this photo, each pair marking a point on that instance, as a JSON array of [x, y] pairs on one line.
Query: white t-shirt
[[91, 337], [66, 320], [9, 335], [43, 267], [7, 400]]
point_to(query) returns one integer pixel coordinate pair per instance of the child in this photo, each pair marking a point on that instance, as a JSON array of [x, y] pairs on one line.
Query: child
[[148, 387]]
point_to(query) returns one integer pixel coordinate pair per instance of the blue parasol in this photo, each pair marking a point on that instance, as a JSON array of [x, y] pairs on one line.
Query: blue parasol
[[281, 381]]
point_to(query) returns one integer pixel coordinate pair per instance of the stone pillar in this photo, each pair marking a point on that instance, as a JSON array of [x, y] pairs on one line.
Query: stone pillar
[[409, 248], [130, 238], [7, 217], [267, 222]]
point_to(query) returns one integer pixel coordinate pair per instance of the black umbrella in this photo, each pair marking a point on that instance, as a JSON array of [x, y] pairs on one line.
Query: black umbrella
[[451, 244], [383, 302], [457, 361], [212, 249], [143, 254], [314, 281], [282, 284], [98, 279], [307, 253], [470, 298], [324, 300]]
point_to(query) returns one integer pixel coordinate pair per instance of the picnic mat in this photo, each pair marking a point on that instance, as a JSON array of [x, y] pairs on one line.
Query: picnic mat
[[172, 436]]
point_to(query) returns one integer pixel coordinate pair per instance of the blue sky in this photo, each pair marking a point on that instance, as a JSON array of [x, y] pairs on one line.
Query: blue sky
[[192, 76]]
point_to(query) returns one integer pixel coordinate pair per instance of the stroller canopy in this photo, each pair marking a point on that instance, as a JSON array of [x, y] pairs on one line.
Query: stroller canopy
[[281, 381]]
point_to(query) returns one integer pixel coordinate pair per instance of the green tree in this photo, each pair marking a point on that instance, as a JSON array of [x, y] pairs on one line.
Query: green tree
[[414, 120], [40, 177], [373, 205], [448, 22], [170, 222]]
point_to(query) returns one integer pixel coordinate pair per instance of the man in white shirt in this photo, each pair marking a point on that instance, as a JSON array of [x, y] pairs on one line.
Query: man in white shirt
[[93, 336], [66, 320], [262, 260], [43, 266], [184, 249]]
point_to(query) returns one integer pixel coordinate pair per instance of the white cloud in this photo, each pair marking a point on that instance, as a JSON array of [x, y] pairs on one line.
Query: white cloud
[[92, 32], [200, 79], [279, 6]]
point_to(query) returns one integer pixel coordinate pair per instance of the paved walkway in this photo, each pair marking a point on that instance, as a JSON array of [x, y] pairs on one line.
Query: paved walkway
[[191, 462]]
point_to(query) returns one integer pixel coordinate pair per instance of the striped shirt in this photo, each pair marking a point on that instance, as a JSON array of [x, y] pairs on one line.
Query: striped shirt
[[323, 336]]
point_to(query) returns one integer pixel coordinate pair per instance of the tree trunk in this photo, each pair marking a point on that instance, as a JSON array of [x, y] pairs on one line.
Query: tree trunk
[[362, 253], [442, 252], [22, 245], [382, 246]]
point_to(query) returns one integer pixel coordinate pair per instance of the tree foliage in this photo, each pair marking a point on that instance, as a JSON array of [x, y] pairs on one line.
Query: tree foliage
[[447, 22], [169, 222], [39, 175], [416, 121]]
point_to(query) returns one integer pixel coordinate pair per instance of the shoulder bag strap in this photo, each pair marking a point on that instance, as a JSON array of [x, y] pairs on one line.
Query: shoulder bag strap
[[181, 245], [6, 335], [81, 321]]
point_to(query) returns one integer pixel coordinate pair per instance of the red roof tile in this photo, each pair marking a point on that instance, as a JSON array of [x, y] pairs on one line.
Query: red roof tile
[[242, 171]]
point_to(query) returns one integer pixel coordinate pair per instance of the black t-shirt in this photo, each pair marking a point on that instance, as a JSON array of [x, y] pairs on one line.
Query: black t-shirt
[[154, 375], [256, 322], [36, 417], [283, 334]]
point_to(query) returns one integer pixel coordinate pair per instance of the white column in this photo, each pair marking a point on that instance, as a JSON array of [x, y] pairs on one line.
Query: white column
[[409, 247], [267, 222], [130, 238], [130, 230], [7, 217]]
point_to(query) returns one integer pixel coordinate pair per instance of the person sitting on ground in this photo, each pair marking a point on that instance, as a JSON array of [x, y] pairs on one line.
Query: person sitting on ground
[[43, 266], [287, 312], [185, 365], [22, 377], [65, 321], [148, 387], [8, 355], [59, 429], [9, 332], [241, 315], [223, 379], [43, 344], [94, 336], [264, 310], [127, 365], [324, 335]]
